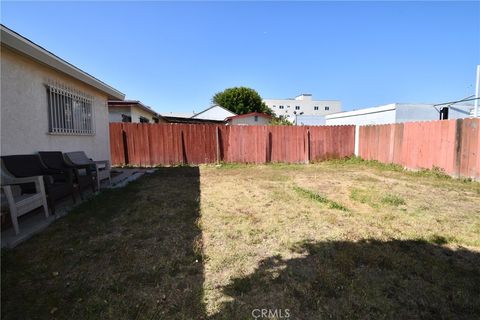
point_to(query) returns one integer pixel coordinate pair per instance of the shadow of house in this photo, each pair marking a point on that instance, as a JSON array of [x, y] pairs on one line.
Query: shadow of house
[[361, 280], [129, 253]]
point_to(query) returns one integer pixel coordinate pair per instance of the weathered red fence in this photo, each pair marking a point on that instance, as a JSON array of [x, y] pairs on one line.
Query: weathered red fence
[[166, 144], [452, 145]]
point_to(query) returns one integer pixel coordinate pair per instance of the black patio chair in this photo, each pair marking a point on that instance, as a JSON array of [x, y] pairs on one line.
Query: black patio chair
[[101, 169], [82, 174], [58, 183]]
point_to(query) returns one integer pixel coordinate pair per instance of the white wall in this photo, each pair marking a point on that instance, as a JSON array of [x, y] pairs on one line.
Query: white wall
[[24, 110], [377, 115], [396, 113], [427, 112], [261, 121], [307, 106], [308, 120], [216, 113], [136, 113], [115, 113]]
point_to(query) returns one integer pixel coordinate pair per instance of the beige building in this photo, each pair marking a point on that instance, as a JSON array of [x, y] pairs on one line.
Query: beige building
[[132, 111], [302, 105], [250, 119], [49, 104]]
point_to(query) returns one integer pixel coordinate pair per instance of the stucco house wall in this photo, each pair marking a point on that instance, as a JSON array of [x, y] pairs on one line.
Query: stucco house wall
[[115, 113], [261, 121], [136, 113], [24, 110]]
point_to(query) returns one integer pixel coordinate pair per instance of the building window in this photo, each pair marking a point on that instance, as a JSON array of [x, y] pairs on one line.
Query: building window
[[297, 107], [256, 118], [327, 108], [288, 106], [274, 106], [143, 120], [126, 118], [280, 107], [315, 108], [69, 111]]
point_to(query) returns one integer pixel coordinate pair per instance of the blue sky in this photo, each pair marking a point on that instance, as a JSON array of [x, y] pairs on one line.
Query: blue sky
[[175, 56]]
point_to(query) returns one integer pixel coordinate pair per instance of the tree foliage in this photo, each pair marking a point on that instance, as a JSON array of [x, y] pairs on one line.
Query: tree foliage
[[280, 120], [241, 100]]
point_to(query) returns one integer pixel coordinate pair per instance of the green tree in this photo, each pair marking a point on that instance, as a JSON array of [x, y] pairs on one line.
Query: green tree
[[241, 100], [280, 121]]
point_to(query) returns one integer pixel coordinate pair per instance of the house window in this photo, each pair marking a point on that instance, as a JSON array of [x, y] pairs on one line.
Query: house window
[[256, 118], [126, 118], [315, 108], [281, 107], [274, 106], [327, 108], [143, 120], [69, 111], [297, 107]]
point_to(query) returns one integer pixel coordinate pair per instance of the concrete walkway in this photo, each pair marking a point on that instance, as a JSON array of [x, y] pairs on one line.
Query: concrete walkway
[[35, 221]]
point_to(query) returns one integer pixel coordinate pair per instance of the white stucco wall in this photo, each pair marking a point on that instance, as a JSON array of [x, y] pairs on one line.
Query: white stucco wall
[[115, 113], [261, 121], [136, 113], [24, 110]]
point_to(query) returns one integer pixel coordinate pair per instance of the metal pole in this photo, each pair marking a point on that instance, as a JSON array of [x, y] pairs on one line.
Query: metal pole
[[477, 89]]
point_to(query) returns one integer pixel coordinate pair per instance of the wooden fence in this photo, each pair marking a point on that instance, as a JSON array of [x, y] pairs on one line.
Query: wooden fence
[[451, 145], [167, 144]]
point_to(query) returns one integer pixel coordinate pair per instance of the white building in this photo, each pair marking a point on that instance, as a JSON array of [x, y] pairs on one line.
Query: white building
[[250, 119], [132, 111], [303, 105], [48, 104], [396, 113], [309, 120], [214, 113]]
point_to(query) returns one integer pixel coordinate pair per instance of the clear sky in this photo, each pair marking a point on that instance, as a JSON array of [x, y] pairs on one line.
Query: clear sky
[[175, 56]]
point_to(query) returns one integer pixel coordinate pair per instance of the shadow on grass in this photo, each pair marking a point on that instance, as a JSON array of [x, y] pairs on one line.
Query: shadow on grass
[[361, 280], [130, 253], [136, 253]]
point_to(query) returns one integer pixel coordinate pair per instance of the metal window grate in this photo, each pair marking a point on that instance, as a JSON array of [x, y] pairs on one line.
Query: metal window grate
[[69, 110]]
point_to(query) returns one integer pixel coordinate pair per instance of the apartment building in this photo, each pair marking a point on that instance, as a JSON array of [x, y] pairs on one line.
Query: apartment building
[[303, 105]]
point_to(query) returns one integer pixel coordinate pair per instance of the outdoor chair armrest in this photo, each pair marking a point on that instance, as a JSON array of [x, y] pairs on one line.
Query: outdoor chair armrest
[[105, 162], [14, 181], [37, 180]]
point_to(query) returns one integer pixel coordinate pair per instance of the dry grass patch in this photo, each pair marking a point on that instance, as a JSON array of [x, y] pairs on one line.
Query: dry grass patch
[[340, 239]]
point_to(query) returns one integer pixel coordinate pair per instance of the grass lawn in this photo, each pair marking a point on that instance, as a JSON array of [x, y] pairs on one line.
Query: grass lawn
[[339, 239]]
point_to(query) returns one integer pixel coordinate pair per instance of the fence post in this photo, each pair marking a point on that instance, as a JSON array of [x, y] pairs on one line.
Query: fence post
[[218, 143], [125, 146], [307, 146], [357, 140], [458, 146]]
